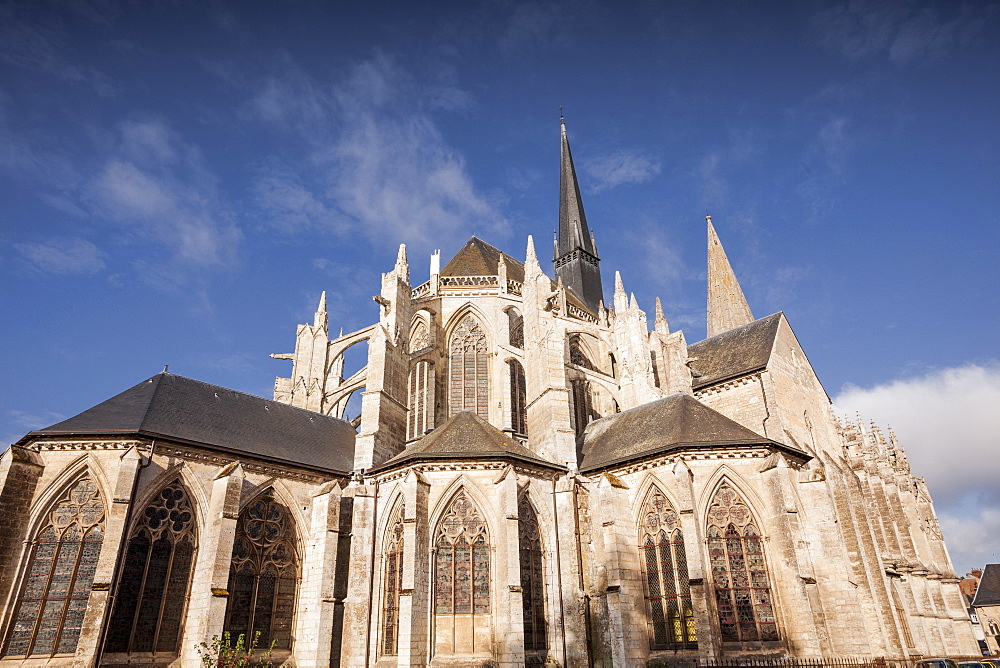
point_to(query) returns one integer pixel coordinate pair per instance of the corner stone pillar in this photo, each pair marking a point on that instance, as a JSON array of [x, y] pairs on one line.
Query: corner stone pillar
[[356, 640], [510, 610], [20, 469], [414, 598], [316, 594], [116, 515], [209, 594]]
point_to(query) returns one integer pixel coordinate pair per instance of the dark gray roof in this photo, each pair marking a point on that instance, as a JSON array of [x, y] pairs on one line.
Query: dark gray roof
[[677, 421], [988, 592], [734, 353], [189, 411], [466, 436]]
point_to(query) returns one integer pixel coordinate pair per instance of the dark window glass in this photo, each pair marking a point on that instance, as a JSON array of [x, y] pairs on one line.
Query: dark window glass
[[263, 575], [392, 583], [532, 583], [62, 559], [153, 591], [518, 398]]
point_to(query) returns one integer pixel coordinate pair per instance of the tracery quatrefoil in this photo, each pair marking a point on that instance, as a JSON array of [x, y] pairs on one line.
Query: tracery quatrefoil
[[727, 509], [657, 513]]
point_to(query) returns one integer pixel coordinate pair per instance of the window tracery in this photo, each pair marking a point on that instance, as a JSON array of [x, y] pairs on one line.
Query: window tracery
[[578, 356], [583, 405], [532, 582], [419, 337], [263, 574], [392, 583], [742, 588], [469, 370], [153, 590], [420, 416], [515, 328], [462, 561], [668, 589], [518, 398], [62, 560]]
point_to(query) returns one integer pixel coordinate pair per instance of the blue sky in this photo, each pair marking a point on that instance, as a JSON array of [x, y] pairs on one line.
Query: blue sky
[[180, 181]]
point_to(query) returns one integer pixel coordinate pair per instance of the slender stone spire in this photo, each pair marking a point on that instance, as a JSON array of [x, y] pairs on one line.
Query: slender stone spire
[[727, 307], [660, 323], [402, 267], [321, 318], [576, 257]]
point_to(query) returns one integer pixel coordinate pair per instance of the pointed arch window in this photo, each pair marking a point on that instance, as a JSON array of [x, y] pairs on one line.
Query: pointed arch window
[[577, 355], [263, 574], [420, 416], [668, 589], [742, 588], [532, 582], [61, 562], [518, 398], [153, 589], [583, 405], [515, 328], [461, 580], [392, 583], [419, 337], [469, 369]]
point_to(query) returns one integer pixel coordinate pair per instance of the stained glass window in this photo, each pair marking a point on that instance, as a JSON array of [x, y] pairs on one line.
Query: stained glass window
[[469, 369], [532, 583], [420, 416], [263, 574], [668, 590], [515, 328], [392, 583], [462, 561], [518, 398], [153, 591], [62, 560], [742, 588]]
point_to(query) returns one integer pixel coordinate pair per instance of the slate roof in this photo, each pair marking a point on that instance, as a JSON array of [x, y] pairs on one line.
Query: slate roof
[[478, 258], [674, 422], [734, 353], [189, 411], [466, 436], [988, 592]]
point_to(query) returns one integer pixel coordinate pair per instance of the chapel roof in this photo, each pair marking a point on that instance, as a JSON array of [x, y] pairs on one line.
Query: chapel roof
[[183, 410], [478, 258], [670, 423], [465, 435], [734, 353], [988, 593]]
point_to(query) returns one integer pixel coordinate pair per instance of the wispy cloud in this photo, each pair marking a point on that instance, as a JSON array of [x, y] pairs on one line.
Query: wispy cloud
[[947, 421], [66, 255], [157, 185], [377, 161], [902, 32], [620, 168]]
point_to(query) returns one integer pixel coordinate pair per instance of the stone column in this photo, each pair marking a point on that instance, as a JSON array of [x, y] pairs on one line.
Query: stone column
[[356, 637], [116, 515], [316, 593], [414, 599], [509, 612], [206, 612]]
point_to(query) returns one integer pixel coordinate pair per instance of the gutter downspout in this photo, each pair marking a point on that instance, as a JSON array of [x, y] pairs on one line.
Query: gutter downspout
[[119, 560]]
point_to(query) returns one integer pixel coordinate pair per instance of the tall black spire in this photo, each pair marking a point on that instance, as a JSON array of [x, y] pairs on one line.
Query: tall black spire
[[577, 263]]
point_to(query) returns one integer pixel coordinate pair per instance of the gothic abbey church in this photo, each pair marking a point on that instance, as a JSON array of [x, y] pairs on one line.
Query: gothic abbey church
[[536, 478]]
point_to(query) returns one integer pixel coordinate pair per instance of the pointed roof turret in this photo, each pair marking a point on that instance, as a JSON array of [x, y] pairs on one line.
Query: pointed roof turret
[[575, 256], [727, 307], [321, 317]]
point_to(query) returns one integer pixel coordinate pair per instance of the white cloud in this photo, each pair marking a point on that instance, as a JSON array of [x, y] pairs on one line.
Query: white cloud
[[948, 423], [621, 167], [66, 255]]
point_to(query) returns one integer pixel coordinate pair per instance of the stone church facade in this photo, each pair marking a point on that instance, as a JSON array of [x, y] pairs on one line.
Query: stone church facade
[[536, 478]]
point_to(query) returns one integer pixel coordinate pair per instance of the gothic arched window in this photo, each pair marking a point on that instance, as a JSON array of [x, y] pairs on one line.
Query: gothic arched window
[[392, 583], [742, 589], [420, 416], [668, 590], [518, 398], [469, 369], [263, 574], [461, 580], [515, 328], [577, 355], [583, 405], [532, 583], [153, 590], [61, 562], [419, 337]]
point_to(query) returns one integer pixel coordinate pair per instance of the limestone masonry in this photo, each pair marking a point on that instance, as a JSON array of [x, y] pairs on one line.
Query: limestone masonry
[[536, 478]]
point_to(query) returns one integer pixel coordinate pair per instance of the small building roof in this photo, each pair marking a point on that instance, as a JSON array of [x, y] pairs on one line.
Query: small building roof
[[734, 353], [188, 411], [988, 593], [465, 435], [674, 422]]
